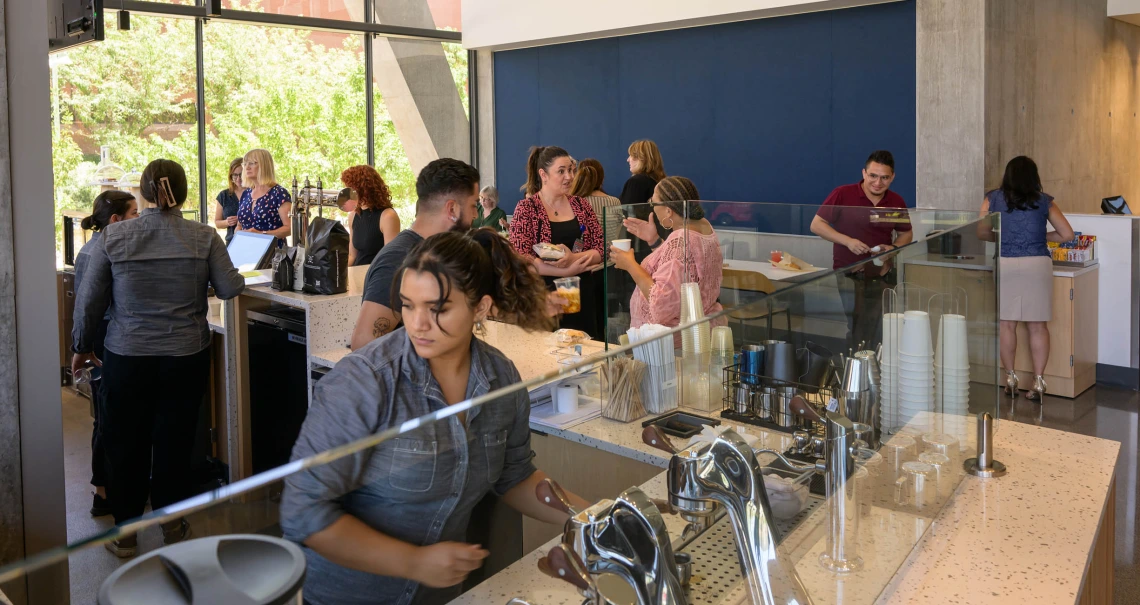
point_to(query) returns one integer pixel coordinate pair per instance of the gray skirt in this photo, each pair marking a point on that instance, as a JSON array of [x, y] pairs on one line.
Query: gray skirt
[[1026, 288]]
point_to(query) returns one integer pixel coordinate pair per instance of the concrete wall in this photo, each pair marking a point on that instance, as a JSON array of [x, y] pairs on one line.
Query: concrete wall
[[949, 118], [31, 460], [1062, 87], [507, 24]]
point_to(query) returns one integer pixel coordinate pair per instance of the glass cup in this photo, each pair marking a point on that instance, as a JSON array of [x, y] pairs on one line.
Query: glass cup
[[917, 486], [569, 289], [944, 472], [942, 443], [898, 451], [88, 373]]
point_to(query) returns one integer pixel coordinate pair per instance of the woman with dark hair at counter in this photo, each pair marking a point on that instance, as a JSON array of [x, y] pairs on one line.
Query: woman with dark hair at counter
[[690, 254], [549, 214], [588, 184], [387, 525], [153, 272], [374, 222], [265, 205], [108, 208], [1026, 266], [225, 213]]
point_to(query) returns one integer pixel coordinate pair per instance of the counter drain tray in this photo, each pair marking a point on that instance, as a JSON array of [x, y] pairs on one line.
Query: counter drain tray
[[716, 568]]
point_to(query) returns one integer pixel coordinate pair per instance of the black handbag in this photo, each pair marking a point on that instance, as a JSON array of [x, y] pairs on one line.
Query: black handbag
[[326, 259], [283, 271]]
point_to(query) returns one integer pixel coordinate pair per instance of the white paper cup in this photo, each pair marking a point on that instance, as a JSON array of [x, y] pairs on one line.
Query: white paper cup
[[622, 244], [916, 338]]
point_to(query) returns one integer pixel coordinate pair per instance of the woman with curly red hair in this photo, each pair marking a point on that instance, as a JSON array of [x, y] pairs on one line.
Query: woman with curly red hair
[[374, 222]]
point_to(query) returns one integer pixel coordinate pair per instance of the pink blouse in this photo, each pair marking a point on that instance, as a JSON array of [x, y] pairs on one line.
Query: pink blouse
[[702, 257]]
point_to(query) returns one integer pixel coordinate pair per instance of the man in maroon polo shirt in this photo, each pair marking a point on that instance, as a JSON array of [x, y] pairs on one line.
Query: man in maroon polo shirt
[[862, 220]]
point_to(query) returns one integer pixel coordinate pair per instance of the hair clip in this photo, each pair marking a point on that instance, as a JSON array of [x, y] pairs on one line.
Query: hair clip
[[166, 192]]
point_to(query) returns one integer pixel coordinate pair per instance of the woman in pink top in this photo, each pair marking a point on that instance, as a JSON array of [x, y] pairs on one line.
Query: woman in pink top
[[691, 253]]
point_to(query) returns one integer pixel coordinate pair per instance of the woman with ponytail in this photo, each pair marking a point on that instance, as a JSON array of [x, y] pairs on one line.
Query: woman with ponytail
[[690, 254], [108, 208], [152, 275], [388, 526], [550, 214]]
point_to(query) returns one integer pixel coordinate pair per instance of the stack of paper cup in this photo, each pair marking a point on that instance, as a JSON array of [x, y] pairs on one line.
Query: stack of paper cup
[[952, 371], [916, 369], [722, 352], [696, 349], [889, 366]]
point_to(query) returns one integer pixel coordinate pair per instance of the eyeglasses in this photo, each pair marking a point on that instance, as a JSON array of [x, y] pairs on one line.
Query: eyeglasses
[[235, 176], [880, 177], [249, 164]]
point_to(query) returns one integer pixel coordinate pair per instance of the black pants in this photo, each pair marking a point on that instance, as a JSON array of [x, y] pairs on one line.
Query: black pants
[[98, 397], [148, 427], [862, 298]]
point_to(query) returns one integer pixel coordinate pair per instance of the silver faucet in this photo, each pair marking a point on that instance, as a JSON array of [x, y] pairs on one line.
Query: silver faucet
[[726, 473], [625, 537]]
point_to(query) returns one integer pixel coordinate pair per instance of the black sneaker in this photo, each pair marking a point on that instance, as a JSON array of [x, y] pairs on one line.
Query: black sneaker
[[100, 507], [175, 532], [124, 548]]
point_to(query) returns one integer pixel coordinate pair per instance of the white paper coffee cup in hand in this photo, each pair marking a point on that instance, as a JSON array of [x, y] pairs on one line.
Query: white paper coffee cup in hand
[[622, 244], [878, 262], [566, 399]]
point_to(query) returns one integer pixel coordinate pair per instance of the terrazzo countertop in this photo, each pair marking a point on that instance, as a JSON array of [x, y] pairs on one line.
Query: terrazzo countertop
[[1025, 537], [986, 263], [303, 300]]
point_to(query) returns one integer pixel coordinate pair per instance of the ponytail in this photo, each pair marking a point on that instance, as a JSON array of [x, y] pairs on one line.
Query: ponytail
[[539, 158], [482, 264], [589, 178], [519, 292], [106, 205]]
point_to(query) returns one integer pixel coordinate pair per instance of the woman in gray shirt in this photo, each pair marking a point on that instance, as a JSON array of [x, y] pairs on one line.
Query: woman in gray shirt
[[108, 208], [152, 273], [387, 525]]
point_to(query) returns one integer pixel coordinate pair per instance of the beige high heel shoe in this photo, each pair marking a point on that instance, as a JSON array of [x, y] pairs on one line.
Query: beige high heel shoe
[[1011, 384], [1037, 393]]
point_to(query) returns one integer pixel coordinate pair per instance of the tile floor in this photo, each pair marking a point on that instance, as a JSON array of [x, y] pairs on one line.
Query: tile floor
[[1102, 412]]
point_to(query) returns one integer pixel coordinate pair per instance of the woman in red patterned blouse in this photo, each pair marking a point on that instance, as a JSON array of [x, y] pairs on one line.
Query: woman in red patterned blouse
[[549, 214]]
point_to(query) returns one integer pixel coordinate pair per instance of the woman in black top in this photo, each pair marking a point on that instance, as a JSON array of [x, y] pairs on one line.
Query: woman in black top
[[374, 222], [225, 213], [646, 168]]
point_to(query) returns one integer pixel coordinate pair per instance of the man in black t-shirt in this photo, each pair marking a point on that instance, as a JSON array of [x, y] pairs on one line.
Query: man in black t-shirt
[[448, 199]]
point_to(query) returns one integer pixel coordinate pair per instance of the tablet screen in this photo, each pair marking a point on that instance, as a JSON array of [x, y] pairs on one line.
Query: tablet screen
[[248, 249]]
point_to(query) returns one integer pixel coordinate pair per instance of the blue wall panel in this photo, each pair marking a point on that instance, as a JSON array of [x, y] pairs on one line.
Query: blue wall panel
[[772, 110]]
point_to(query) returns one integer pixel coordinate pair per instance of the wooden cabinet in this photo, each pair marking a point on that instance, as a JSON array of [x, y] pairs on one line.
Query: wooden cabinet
[[1071, 368]]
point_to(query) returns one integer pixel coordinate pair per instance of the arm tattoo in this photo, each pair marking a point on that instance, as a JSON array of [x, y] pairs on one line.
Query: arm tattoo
[[381, 327]]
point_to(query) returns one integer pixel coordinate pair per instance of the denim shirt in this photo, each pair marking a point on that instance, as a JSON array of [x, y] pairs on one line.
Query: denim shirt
[[81, 259], [420, 487], [152, 273]]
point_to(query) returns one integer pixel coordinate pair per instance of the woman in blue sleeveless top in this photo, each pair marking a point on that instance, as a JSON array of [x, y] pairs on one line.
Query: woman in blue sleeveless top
[[1026, 266]]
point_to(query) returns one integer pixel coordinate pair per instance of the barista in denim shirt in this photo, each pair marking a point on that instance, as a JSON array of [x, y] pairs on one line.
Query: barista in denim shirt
[[386, 525]]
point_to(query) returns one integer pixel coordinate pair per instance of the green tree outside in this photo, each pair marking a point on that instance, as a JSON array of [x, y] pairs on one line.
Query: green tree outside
[[297, 93]]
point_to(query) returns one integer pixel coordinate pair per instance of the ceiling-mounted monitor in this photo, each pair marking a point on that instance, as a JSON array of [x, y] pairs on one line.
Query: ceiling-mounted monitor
[[73, 22]]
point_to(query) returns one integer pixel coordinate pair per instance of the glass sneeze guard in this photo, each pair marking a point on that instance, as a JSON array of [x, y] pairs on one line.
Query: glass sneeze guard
[[907, 467]]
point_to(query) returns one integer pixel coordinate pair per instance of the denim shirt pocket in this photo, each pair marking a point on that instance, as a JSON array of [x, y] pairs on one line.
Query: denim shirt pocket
[[495, 446], [413, 464]]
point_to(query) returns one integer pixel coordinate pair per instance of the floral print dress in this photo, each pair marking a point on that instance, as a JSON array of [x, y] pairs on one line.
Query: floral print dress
[[265, 214]]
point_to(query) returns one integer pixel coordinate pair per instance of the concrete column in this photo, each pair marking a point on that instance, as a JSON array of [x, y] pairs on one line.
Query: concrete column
[[31, 460], [485, 80], [951, 103], [415, 81]]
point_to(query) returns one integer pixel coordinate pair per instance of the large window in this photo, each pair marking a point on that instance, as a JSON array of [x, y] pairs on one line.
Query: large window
[[133, 93], [300, 93]]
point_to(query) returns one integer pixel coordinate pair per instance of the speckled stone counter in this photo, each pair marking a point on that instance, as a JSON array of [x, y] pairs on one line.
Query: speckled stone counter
[[1026, 537]]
